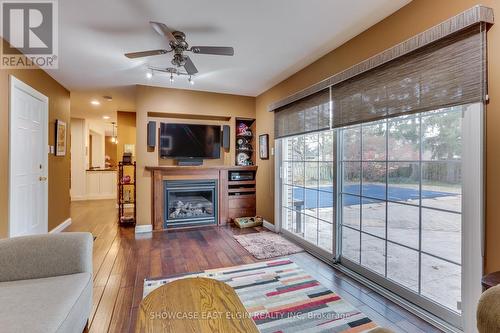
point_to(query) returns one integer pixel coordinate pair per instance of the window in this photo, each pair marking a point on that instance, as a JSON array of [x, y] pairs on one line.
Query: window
[[401, 201], [308, 205]]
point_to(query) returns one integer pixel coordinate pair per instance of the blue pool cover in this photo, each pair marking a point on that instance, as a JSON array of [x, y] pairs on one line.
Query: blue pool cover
[[325, 194]]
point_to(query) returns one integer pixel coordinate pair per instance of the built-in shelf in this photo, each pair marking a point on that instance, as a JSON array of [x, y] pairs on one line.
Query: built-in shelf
[[250, 123], [241, 182], [241, 190]]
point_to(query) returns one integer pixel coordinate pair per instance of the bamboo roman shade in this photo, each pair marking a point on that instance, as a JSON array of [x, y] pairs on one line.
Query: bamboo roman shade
[[309, 114], [441, 67], [446, 73]]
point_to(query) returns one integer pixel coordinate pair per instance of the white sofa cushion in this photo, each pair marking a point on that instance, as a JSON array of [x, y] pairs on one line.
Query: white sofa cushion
[[54, 304]]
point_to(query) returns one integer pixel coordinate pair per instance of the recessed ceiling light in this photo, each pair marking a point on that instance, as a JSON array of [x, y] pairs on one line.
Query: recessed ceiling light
[[106, 117], [95, 102]]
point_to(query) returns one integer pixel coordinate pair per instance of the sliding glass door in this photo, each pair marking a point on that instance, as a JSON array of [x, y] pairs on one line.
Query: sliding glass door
[[390, 196], [308, 170], [401, 202]]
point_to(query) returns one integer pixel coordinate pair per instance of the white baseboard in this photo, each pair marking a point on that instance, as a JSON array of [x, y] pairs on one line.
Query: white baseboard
[[268, 225], [143, 228], [61, 226]]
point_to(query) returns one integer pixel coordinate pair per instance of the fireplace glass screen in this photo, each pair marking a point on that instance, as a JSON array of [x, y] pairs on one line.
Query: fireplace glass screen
[[190, 202]]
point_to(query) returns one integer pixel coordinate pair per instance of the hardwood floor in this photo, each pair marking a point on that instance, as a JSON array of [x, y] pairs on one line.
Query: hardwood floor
[[122, 260]]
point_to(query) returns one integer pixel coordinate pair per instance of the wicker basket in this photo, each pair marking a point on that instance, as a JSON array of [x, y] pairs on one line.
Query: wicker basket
[[248, 222]]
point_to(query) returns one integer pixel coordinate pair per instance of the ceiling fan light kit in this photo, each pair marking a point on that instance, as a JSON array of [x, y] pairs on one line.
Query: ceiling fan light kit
[[178, 45]]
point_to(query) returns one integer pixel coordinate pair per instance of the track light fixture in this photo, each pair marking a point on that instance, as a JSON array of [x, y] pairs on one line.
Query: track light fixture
[[172, 71]]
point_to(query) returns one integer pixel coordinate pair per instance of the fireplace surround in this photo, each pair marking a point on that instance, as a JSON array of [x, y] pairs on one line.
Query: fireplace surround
[[232, 197], [190, 202]]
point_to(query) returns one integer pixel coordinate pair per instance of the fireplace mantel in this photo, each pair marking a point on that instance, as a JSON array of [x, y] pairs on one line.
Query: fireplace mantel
[[219, 173], [176, 169]]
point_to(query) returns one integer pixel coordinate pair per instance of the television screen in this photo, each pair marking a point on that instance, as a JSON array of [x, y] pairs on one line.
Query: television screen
[[189, 141]]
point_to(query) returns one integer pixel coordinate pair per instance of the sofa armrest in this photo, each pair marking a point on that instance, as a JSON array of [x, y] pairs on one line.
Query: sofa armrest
[[32, 257]]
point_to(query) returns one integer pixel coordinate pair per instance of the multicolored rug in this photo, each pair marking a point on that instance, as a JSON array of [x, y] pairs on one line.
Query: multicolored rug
[[282, 298], [267, 244]]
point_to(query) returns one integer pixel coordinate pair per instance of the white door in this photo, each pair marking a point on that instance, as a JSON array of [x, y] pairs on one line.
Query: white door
[[28, 171]]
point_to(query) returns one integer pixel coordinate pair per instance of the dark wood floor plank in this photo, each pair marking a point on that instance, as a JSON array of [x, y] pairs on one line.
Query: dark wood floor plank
[[121, 314], [123, 259]]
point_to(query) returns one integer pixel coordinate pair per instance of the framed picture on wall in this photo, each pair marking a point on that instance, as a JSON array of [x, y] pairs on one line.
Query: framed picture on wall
[[264, 146], [60, 138]]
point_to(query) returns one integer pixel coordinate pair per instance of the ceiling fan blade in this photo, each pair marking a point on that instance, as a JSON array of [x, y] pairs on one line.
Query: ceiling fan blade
[[190, 67], [141, 54], [217, 50], [163, 30]]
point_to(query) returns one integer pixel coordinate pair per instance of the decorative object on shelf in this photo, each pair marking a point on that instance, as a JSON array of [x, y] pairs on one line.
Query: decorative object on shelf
[[126, 193], [127, 220], [127, 158], [243, 159], [126, 179], [242, 144], [243, 130], [60, 138], [264, 146], [248, 222]]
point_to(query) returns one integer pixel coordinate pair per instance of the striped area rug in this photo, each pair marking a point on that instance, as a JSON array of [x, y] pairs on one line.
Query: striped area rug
[[283, 298]]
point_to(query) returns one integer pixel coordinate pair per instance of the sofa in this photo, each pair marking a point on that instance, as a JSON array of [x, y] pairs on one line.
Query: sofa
[[46, 283]]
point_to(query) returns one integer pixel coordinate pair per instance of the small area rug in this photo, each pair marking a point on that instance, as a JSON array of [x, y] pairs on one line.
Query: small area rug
[[282, 298], [266, 244]]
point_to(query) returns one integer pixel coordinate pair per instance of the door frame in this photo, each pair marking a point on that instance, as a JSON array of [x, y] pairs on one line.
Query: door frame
[[15, 83]]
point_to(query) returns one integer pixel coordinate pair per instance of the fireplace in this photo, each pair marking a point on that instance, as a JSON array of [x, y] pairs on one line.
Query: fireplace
[[190, 202]]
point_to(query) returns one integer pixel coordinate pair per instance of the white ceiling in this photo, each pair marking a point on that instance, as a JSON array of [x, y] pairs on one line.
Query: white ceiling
[[272, 39]]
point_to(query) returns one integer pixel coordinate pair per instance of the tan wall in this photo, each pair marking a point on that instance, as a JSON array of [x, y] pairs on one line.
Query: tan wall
[[152, 99], [59, 167], [110, 149], [412, 19], [126, 131]]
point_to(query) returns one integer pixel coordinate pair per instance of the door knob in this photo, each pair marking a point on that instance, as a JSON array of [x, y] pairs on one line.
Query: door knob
[[42, 179]]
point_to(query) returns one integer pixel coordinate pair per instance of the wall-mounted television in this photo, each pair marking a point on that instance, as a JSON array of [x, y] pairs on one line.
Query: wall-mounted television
[[190, 141]]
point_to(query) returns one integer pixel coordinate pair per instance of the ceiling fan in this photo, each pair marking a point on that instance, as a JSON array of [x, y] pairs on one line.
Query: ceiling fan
[[178, 45]]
